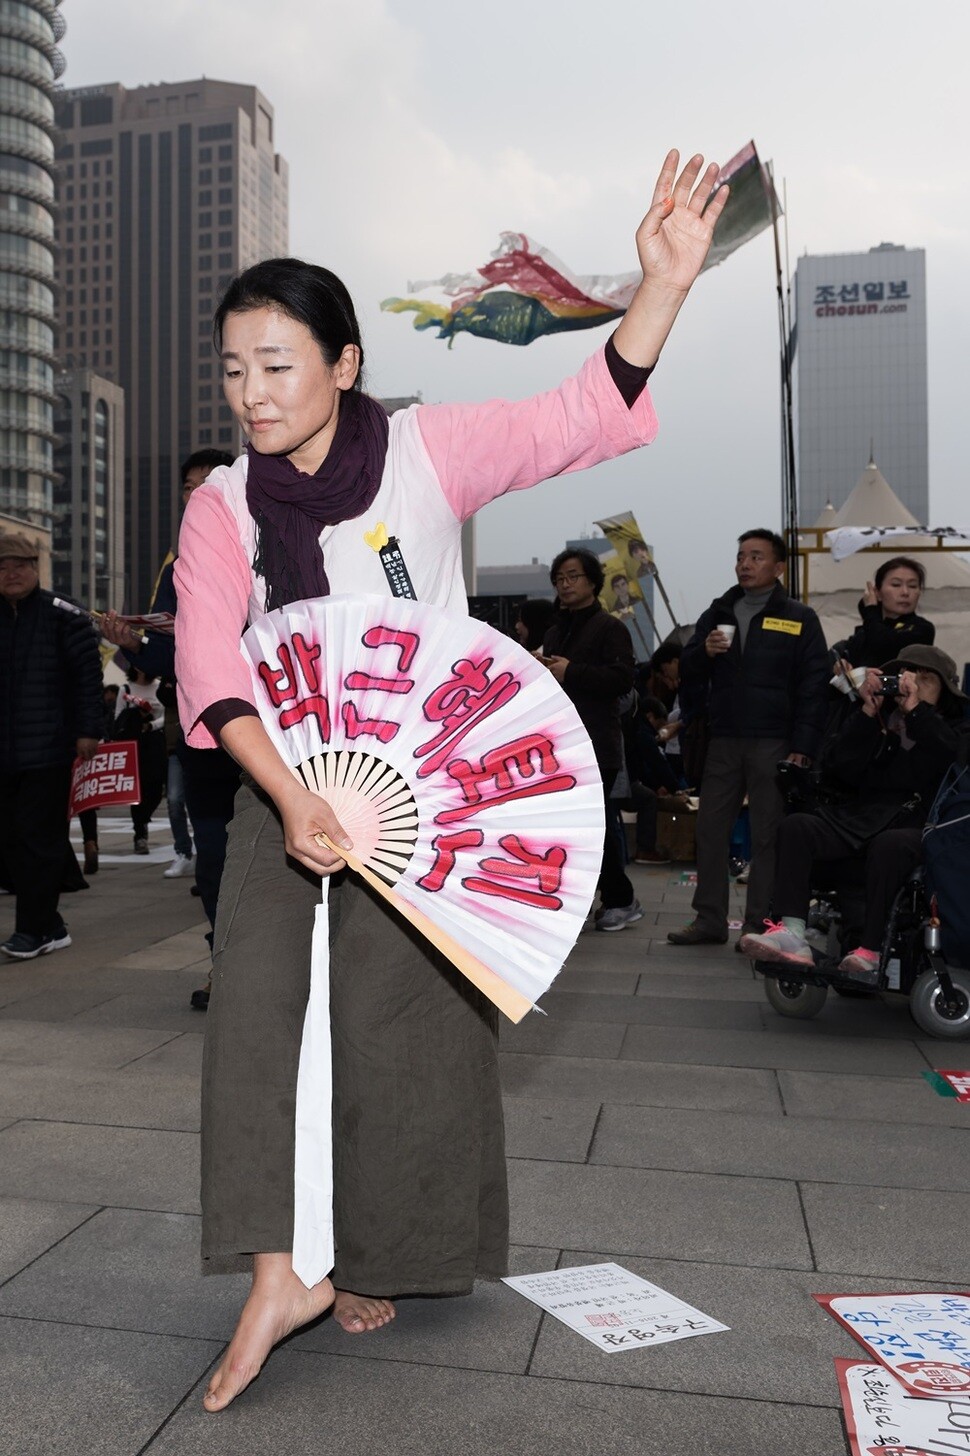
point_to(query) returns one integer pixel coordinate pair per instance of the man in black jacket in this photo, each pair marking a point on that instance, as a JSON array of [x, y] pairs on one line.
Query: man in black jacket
[[50, 712], [590, 654], [764, 678]]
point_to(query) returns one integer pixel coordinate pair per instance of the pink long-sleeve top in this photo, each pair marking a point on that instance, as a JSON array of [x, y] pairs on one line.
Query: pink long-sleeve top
[[444, 462]]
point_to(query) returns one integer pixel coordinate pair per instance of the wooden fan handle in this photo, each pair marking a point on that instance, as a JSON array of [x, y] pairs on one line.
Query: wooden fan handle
[[508, 1000]]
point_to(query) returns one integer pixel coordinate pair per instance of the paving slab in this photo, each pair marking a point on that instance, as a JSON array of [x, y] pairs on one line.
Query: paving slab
[[29, 1227], [652, 1011], [54, 1003], [39, 1043], [100, 1392], [902, 1234], [871, 1099], [603, 982], [709, 986], [485, 1331], [559, 1037], [860, 1056], [779, 1347], [560, 1130], [170, 953], [180, 1054], [849, 1016], [130, 1270], [879, 1156], [125, 1098], [169, 1012], [318, 1402], [691, 1216], [120, 1166], [651, 1084]]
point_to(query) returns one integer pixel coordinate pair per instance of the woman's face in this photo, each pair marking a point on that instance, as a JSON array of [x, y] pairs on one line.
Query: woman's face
[[279, 386], [899, 593]]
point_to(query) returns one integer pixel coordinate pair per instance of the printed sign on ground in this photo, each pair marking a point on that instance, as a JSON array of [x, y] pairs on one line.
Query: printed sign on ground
[[882, 1418], [614, 1309], [924, 1339], [959, 1081]]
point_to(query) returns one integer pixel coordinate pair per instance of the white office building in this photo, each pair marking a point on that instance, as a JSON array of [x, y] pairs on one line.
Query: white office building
[[860, 362]]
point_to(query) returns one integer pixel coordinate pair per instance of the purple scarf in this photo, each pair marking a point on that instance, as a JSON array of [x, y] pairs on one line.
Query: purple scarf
[[291, 509]]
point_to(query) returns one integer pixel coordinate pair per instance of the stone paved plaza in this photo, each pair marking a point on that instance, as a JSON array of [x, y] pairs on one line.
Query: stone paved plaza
[[661, 1116]]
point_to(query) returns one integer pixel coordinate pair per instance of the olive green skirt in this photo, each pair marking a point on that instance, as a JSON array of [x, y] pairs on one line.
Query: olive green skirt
[[420, 1191]]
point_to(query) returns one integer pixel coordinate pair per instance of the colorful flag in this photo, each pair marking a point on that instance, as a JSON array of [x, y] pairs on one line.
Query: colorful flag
[[524, 290]]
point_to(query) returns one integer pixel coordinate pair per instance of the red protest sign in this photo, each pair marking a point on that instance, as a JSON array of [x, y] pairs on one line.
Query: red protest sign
[[109, 779], [959, 1081]]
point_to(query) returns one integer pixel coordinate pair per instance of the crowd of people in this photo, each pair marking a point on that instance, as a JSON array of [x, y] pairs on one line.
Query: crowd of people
[[755, 698]]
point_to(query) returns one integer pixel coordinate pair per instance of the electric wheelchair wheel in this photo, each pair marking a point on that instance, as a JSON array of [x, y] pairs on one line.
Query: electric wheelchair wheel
[[931, 1011], [791, 996]]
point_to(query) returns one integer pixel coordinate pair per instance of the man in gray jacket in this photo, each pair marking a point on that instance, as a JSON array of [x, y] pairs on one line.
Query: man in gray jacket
[[758, 665]]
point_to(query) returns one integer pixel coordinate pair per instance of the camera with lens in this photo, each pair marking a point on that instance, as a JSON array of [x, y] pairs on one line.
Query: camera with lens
[[798, 784], [888, 685]]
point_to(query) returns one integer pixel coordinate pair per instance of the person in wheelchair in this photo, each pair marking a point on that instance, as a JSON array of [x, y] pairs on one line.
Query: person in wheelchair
[[882, 772]]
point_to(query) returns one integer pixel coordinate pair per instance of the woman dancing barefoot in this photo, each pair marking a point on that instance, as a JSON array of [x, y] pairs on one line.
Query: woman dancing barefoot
[[420, 1199]]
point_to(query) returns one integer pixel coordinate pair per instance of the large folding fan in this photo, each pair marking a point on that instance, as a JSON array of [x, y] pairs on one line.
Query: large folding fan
[[462, 774]]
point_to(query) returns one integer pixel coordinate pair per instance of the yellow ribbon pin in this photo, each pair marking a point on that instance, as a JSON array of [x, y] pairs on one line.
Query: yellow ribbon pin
[[378, 538]]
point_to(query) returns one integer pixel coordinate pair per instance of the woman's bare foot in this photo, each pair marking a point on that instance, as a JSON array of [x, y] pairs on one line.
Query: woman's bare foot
[[278, 1304], [358, 1314]]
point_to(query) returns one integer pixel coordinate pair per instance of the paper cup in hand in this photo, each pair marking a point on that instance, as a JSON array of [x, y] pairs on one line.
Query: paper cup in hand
[[846, 681], [728, 631]]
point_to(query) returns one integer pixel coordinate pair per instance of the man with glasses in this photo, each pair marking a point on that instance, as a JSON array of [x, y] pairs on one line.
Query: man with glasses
[[589, 653], [50, 712]]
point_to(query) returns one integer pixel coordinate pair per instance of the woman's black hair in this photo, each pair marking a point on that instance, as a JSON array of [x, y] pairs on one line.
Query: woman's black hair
[[895, 564], [592, 567], [536, 615], [306, 292]]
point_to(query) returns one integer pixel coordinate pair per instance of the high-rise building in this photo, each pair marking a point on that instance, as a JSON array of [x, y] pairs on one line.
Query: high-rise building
[[89, 456], [30, 64], [166, 192], [860, 361]]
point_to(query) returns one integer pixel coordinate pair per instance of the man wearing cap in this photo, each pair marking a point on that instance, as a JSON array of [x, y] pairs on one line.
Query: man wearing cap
[[888, 760], [50, 712]]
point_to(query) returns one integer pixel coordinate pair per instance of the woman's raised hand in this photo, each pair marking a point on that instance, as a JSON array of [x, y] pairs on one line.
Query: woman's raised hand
[[672, 242], [674, 237]]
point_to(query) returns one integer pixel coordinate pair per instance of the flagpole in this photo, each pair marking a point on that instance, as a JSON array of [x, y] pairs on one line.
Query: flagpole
[[789, 484], [652, 568]]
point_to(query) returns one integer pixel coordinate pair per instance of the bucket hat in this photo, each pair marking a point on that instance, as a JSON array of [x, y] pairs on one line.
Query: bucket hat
[[932, 659]]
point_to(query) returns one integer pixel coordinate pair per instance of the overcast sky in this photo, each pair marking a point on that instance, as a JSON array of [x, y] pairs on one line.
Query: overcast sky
[[417, 130]]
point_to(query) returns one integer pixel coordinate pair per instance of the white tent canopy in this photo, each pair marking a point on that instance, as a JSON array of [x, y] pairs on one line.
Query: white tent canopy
[[835, 587]]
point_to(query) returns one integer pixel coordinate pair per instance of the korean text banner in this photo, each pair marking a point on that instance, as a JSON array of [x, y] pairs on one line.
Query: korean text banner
[[108, 780]]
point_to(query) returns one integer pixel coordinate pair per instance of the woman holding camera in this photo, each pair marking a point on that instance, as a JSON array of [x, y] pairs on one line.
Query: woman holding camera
[[888, 759]]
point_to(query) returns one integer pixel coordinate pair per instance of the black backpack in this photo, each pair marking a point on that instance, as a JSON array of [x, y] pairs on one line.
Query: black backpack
[[946, 855]]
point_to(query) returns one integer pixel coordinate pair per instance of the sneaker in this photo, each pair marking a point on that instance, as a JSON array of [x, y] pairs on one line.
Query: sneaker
[[619, 917], [696, 934], [861, 965], [776, 944], [651, 857], [750, 927], [61, 937], [141, 845], [24, 947], [735, 866], [182, 864], [199, 1000]]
